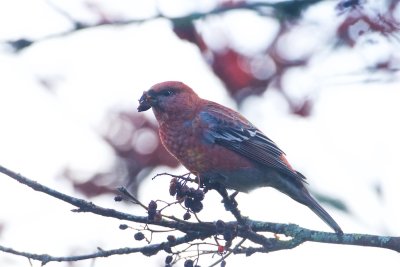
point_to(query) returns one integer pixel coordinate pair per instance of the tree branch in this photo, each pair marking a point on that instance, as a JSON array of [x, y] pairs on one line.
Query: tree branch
[[146, 250], [85, 206], [304, 234], [291, 8], [245, 228]]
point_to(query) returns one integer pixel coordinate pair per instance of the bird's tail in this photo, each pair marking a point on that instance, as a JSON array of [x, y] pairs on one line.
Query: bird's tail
[[310, 202]]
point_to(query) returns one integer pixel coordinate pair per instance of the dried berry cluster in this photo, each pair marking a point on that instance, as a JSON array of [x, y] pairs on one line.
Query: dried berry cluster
[[191, 197]]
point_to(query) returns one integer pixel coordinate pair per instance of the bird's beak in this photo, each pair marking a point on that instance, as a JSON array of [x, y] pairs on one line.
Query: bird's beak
[[145, 102]]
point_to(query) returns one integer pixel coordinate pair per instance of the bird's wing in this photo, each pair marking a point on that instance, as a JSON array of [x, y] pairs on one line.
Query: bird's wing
[[228, 128]]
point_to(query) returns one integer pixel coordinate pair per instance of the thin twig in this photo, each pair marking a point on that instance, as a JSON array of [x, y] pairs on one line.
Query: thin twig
[[146, 250], [185, 177], [229, 253], [131, 197]]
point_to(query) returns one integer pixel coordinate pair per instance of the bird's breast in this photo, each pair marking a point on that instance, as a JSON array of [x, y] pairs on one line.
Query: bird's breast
[[182, 143]]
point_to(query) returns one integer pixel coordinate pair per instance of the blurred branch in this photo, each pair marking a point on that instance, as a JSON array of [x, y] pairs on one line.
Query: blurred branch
[[291, 9], [244, 227], [145, 250]]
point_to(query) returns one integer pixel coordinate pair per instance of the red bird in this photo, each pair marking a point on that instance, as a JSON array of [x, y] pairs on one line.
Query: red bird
[[218, 144]]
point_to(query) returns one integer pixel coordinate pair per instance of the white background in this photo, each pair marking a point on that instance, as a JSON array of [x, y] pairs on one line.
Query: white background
[[346, 147]]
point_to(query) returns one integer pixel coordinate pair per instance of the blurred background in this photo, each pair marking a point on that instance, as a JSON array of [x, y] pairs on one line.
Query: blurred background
[[320, 78]]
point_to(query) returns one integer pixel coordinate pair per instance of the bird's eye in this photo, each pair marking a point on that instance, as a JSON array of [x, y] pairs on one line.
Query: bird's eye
[[167, 93]]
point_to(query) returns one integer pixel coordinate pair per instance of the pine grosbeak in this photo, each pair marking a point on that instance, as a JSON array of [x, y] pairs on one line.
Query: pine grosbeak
[[220, 145]]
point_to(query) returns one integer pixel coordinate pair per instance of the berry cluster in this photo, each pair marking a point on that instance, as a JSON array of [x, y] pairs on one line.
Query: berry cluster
[[191, 197]]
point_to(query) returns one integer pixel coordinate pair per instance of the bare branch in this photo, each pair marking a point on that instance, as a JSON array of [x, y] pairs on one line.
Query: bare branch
[[146, 250], [289, 7], [244, 228], [304, 235], [85, 206]]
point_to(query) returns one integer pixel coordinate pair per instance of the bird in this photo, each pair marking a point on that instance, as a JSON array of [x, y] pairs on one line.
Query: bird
[[220, 145]]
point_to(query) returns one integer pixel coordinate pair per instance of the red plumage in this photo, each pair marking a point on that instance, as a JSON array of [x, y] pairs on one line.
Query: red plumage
[[220, 145]]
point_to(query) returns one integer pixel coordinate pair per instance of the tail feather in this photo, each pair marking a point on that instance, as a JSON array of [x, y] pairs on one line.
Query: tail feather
[[294, 187], [311, 203]]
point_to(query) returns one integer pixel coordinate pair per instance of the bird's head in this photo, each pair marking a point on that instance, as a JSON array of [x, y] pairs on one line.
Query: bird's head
[[169, 98]]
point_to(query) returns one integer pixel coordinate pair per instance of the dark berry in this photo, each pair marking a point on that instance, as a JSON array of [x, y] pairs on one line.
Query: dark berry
[[223, 263], [152, 205], [185, 190], [191, 192], [117, 198], [197, 206], [123, 226], [188, 202], [188, 263], [198, 195], [171, 238], [151, 214], [152, 211], [168, 259], [173, 186], [179, 193], [186, 216], [139, 236]]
